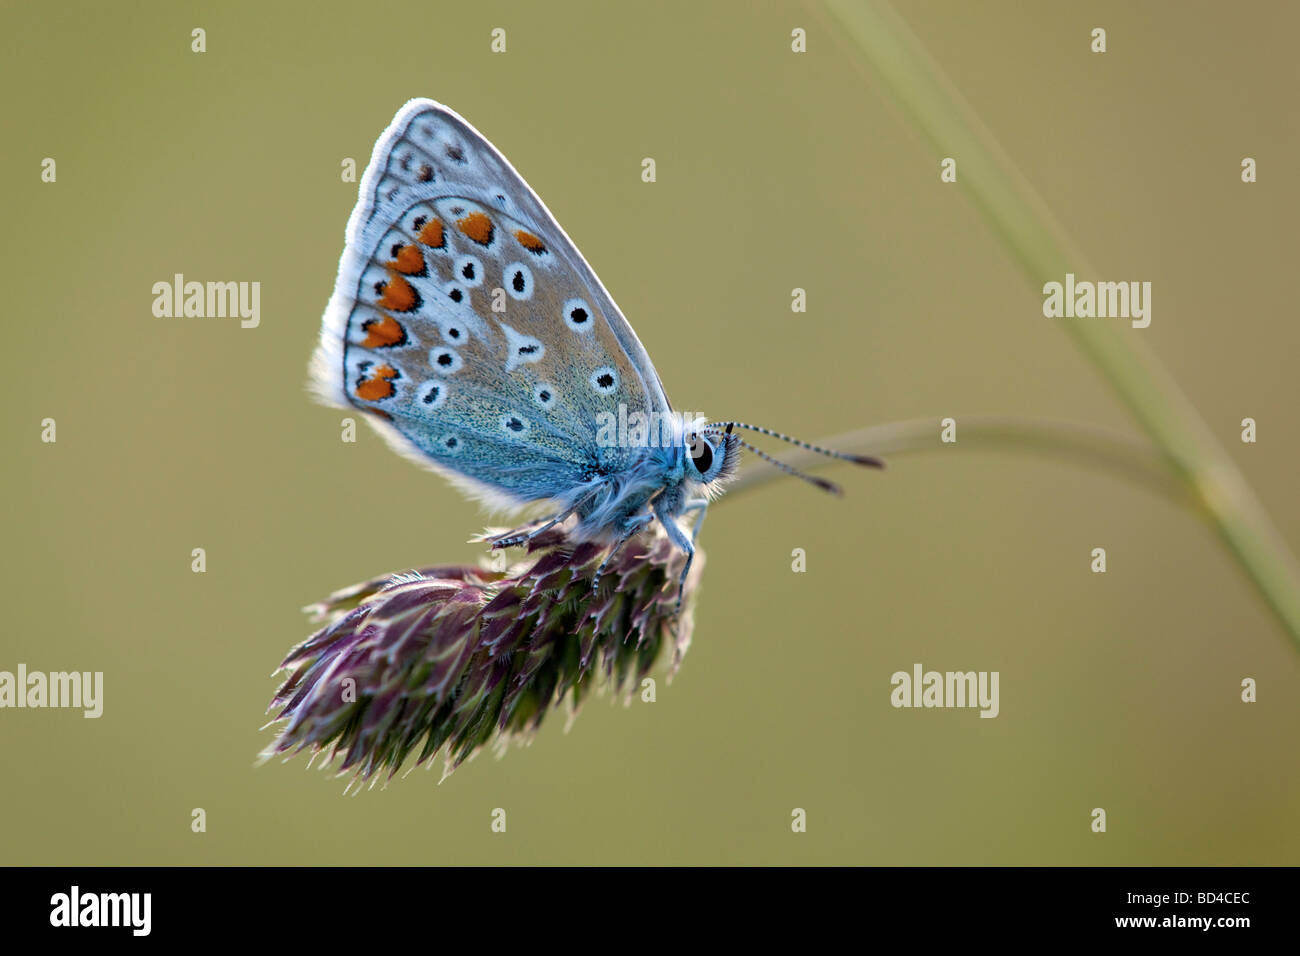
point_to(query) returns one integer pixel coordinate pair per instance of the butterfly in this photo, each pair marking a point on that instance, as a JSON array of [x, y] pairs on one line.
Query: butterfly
[[481, 344]]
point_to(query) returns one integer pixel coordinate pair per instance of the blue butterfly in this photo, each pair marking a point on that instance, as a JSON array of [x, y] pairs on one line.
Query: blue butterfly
[[483, 346]]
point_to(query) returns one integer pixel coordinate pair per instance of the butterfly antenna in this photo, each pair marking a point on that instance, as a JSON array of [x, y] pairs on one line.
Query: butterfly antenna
[[821, 483], [869, 460]]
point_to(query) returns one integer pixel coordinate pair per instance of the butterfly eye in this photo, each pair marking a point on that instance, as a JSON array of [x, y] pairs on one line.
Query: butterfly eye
[[701, 454]]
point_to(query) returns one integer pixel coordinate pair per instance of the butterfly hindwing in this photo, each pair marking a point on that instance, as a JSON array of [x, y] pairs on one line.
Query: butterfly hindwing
[[468, 324]]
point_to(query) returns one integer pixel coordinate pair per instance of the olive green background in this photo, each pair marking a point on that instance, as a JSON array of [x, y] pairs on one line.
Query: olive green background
[[775, 171]]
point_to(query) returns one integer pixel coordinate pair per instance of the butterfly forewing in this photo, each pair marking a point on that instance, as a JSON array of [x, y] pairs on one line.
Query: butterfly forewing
[[465, 320]]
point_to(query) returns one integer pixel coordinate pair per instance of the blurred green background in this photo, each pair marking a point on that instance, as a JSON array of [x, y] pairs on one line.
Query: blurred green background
[[775, 171]]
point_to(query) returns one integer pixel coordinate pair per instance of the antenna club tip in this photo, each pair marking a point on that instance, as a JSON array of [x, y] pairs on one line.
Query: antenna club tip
[[868, 460], [830, 486]]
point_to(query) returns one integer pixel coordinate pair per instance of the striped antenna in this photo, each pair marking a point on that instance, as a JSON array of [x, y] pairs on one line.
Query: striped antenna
[[843, 456], [821, 483]]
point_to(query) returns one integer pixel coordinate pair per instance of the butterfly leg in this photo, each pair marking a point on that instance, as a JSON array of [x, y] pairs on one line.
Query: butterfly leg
[[702, 506], [520, 536], [634, 525], [677, 537]]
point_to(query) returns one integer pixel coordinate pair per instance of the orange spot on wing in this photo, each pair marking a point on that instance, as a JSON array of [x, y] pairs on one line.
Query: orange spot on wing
[[477, 226], [530, 242], [409, 260], [381, 333], [431, 234], [398, 295], [379, 385]]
